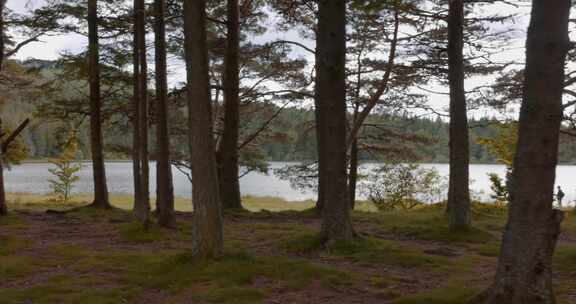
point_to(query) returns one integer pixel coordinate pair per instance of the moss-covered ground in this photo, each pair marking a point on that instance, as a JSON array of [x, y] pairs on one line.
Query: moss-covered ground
[[272, 255]]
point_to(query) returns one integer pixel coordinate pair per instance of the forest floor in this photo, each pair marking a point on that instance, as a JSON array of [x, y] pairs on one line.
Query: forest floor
[[91, 256]]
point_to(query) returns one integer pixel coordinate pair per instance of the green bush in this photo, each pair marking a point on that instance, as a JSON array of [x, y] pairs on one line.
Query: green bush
[[397, 186], [65, 170]]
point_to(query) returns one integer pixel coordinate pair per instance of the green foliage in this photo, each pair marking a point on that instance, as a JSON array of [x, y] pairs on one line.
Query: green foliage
[[65, 170], [253, 160], [499, 188], [302, 176], [503, 144], [503, 147], [402, 186], [17, 151]]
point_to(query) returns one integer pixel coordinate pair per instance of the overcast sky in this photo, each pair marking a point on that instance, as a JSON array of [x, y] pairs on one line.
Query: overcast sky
[[50, 47]]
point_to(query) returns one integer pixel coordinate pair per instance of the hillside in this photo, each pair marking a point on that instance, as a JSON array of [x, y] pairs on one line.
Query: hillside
[[289, 137]]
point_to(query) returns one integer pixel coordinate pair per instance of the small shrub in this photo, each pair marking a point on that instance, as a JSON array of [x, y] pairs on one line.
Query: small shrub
[[65, 170], [396, 186]]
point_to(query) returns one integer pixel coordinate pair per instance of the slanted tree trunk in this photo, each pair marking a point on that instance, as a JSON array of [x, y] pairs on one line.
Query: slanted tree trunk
[[96, 145], [5, 142], [524, 274], [331, 90], [142, 198], [207, 226], [164, 186], [228, 148], [458, 192]]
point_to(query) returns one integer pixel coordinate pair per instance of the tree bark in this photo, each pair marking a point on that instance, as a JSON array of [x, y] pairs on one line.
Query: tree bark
[[353, 174], [331, 90], [144, 155], [524, 274], [228, 148], [164, 186], [2, 29], [3, 207], [320, 153], [142, 198], [458, 187], [96, 145], [207, 226], [136, 160], [320, 150]]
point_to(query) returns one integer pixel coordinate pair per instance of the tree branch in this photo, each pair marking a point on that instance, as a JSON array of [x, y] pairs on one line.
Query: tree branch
[[262, 128], [294, 43], [6, 143], [21, 45], [383, 87]]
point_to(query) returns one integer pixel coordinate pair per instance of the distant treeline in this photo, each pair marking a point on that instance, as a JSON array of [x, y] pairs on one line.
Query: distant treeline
[[289, 137], [295, 139]]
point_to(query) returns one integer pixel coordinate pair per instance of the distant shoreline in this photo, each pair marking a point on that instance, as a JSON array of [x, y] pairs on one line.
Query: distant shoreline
[[46, 160]]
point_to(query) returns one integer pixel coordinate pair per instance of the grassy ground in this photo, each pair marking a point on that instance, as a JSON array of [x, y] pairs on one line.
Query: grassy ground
[[35, 202], [272, 256]]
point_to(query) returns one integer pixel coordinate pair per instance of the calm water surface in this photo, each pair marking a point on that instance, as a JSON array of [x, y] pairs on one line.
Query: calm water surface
[[33, 178]]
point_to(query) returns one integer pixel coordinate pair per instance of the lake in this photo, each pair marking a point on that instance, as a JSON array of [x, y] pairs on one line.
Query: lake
[[33, 178]]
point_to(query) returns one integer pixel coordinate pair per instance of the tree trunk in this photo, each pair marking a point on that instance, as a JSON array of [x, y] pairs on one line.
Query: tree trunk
[[164, 186], [228, 149], [136, 169], [144, 155], [2, 38], [3, 207], [353, 174], [320, 150], [319, 147], [458, 192], [207, 226], [524, 274], [142, 198], [96, 145], [331, 90]]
